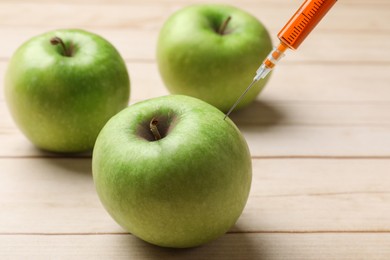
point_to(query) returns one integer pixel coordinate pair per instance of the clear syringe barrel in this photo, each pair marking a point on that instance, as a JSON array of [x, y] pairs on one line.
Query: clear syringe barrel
[[295, 31]]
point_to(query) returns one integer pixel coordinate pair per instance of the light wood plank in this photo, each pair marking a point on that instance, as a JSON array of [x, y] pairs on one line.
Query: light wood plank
[[231, 246], [57, 196], [319, 135], [318, 196], [299, 138], [328, 82], [140, 44], [137, 40], [303, 141], [268, 112], [289, 82], [51, 196], [338, 115], [277, 130], [378, 3], [344, 16]]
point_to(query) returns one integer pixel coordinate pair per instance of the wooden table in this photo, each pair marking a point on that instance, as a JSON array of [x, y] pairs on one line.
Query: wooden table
[[319, 135]]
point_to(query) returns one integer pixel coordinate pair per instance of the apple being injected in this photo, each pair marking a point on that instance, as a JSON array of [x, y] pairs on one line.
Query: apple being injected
[[62, 87], [171, 171], [211, 52]]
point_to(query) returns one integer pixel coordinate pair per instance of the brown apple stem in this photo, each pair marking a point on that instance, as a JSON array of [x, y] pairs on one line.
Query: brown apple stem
[[222, 29], [57, 40], [153, 128]]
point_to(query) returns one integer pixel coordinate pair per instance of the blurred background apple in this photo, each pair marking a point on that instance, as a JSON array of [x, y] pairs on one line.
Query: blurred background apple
[[212, 52]]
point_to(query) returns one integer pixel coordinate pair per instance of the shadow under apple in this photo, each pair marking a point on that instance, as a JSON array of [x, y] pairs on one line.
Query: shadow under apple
[[69, 163], [49, 154], [71, 166], [260, 113], [236, 244]]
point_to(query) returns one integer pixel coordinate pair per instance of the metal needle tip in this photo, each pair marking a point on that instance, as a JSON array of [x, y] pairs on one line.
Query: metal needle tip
[[239, 99]]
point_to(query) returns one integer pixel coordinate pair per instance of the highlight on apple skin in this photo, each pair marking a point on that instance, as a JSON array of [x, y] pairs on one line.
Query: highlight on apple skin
[[211, 52], [183, 187], [61, 88]]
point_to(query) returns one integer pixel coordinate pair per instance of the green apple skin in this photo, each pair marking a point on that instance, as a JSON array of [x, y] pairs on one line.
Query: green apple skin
[[61, 103], [195, 60], [183, 190]]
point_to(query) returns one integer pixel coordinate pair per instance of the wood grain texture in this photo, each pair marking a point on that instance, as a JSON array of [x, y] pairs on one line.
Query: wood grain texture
[[330, 83], [338, 115], [278, 129], [319, 136], [57, 196], [138, 44], [139, 14], [232, 246]]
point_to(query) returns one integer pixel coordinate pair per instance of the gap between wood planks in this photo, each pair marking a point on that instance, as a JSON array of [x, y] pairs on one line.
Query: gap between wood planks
[[228, 233], [127, 2], [286, 62], [265, 157]]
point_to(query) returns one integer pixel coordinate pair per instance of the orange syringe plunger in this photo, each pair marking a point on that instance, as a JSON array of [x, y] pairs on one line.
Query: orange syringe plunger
[[295, 31], [303, 22]]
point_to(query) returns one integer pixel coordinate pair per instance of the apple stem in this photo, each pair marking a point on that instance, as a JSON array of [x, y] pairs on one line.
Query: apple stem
[[222, 29], [57, 40], [153, 128]]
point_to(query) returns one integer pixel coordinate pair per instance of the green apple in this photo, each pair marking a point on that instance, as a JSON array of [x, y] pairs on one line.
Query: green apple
[[172, 171], [212, 52], [62, 87]]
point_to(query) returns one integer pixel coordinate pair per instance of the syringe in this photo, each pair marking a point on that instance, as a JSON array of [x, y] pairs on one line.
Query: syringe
[[291, 36]]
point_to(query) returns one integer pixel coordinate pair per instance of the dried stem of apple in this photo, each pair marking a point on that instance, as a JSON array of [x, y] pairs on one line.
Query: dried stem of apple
[[223, 26], [57, 40], [153, 128]]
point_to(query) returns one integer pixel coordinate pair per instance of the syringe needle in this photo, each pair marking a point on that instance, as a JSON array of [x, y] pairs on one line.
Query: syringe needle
[[239, 99]]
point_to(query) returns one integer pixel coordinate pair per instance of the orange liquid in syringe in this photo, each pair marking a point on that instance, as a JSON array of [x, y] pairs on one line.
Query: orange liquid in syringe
[[304, 21]]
